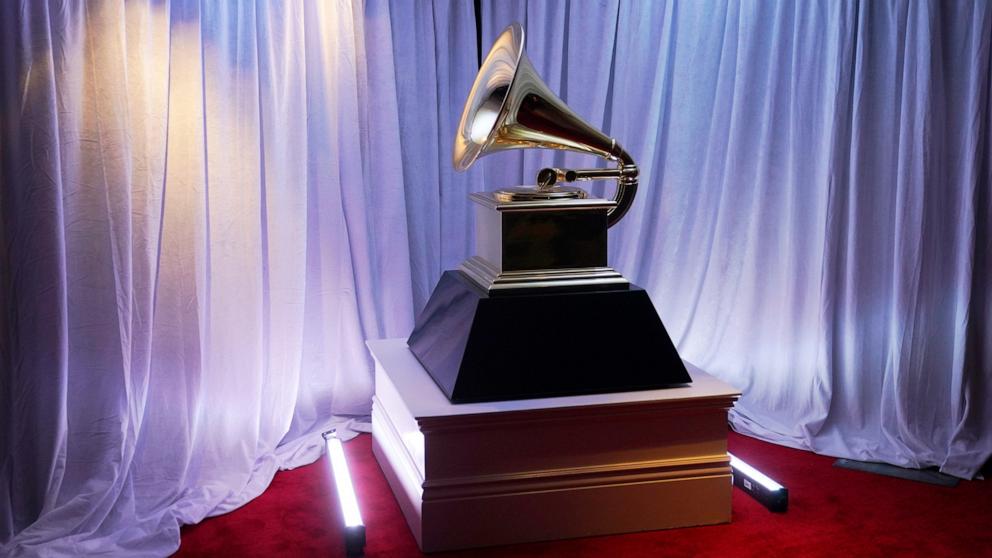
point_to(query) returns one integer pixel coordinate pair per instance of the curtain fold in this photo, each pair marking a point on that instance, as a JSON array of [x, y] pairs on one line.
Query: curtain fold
[[435, 55], [203, 220], [813, 218], [208, 207]]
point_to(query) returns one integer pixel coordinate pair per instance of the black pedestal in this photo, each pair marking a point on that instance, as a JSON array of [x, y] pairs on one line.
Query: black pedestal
[[495, 348]]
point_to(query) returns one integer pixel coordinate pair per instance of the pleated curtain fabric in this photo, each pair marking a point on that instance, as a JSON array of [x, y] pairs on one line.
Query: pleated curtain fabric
[[436, 59], [203, 220], [207, 208], [813, 221]]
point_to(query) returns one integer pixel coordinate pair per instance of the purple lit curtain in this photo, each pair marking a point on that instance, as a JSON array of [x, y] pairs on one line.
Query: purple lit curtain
[[813, 222], [435, 55], [206, 209], [202, 221]]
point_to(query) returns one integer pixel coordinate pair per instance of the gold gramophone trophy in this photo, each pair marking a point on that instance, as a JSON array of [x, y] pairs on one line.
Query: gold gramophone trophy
[[537, 312]]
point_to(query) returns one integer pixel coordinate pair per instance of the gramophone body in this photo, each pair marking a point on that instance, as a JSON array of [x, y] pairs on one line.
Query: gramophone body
[[537, 311], [541, 244]]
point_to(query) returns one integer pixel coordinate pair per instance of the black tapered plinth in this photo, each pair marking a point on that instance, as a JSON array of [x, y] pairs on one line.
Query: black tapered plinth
[[495, 348]]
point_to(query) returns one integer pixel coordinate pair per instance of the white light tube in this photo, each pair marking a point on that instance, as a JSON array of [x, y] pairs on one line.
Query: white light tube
[[342, 480], [754, 474]]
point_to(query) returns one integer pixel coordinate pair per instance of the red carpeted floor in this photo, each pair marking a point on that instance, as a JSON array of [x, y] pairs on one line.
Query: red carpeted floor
[[832, 512]]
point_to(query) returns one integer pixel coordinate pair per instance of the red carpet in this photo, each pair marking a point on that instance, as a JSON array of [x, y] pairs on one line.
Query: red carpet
[[832, 512]]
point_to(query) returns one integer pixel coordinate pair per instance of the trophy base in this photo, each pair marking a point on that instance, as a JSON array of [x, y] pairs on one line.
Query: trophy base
[[513, 282], [479, 347]]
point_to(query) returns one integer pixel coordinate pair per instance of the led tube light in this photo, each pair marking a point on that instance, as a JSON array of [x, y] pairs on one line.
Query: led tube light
[[759, 486], [354, 528]]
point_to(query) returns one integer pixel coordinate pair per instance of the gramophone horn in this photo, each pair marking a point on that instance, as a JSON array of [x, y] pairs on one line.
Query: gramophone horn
[[510, 107]]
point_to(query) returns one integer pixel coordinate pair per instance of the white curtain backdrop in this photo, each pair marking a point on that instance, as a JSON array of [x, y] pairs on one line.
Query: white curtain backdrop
[[434, 49], [206, 210], [813, 222], [203, 220]]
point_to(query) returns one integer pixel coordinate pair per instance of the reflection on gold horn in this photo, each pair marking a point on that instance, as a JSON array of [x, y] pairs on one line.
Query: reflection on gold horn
[[510, 107]]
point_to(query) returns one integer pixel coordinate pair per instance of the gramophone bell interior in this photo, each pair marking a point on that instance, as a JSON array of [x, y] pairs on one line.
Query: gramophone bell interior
[[510, 107]]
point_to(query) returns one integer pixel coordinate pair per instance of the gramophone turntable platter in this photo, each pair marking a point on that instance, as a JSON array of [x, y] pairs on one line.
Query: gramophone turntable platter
[[523, 193]]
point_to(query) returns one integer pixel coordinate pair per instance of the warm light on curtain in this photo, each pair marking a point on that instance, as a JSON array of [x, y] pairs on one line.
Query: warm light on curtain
[[208, 207], [201, 227]]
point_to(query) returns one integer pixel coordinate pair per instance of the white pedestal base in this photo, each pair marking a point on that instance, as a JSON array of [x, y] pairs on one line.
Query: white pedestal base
[[484, 474]]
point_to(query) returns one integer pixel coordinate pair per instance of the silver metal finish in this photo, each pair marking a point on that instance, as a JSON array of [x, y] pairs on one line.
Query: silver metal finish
[[510, 107], [495, 265], [491, 200], [525, 193], [492, 280]]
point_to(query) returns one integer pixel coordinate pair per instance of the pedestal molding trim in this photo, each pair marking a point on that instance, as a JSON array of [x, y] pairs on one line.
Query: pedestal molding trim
[[616, 412], [577, 478], [394, 442]]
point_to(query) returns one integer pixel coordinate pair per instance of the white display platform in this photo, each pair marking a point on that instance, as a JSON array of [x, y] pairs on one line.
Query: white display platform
[[482, 474]]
